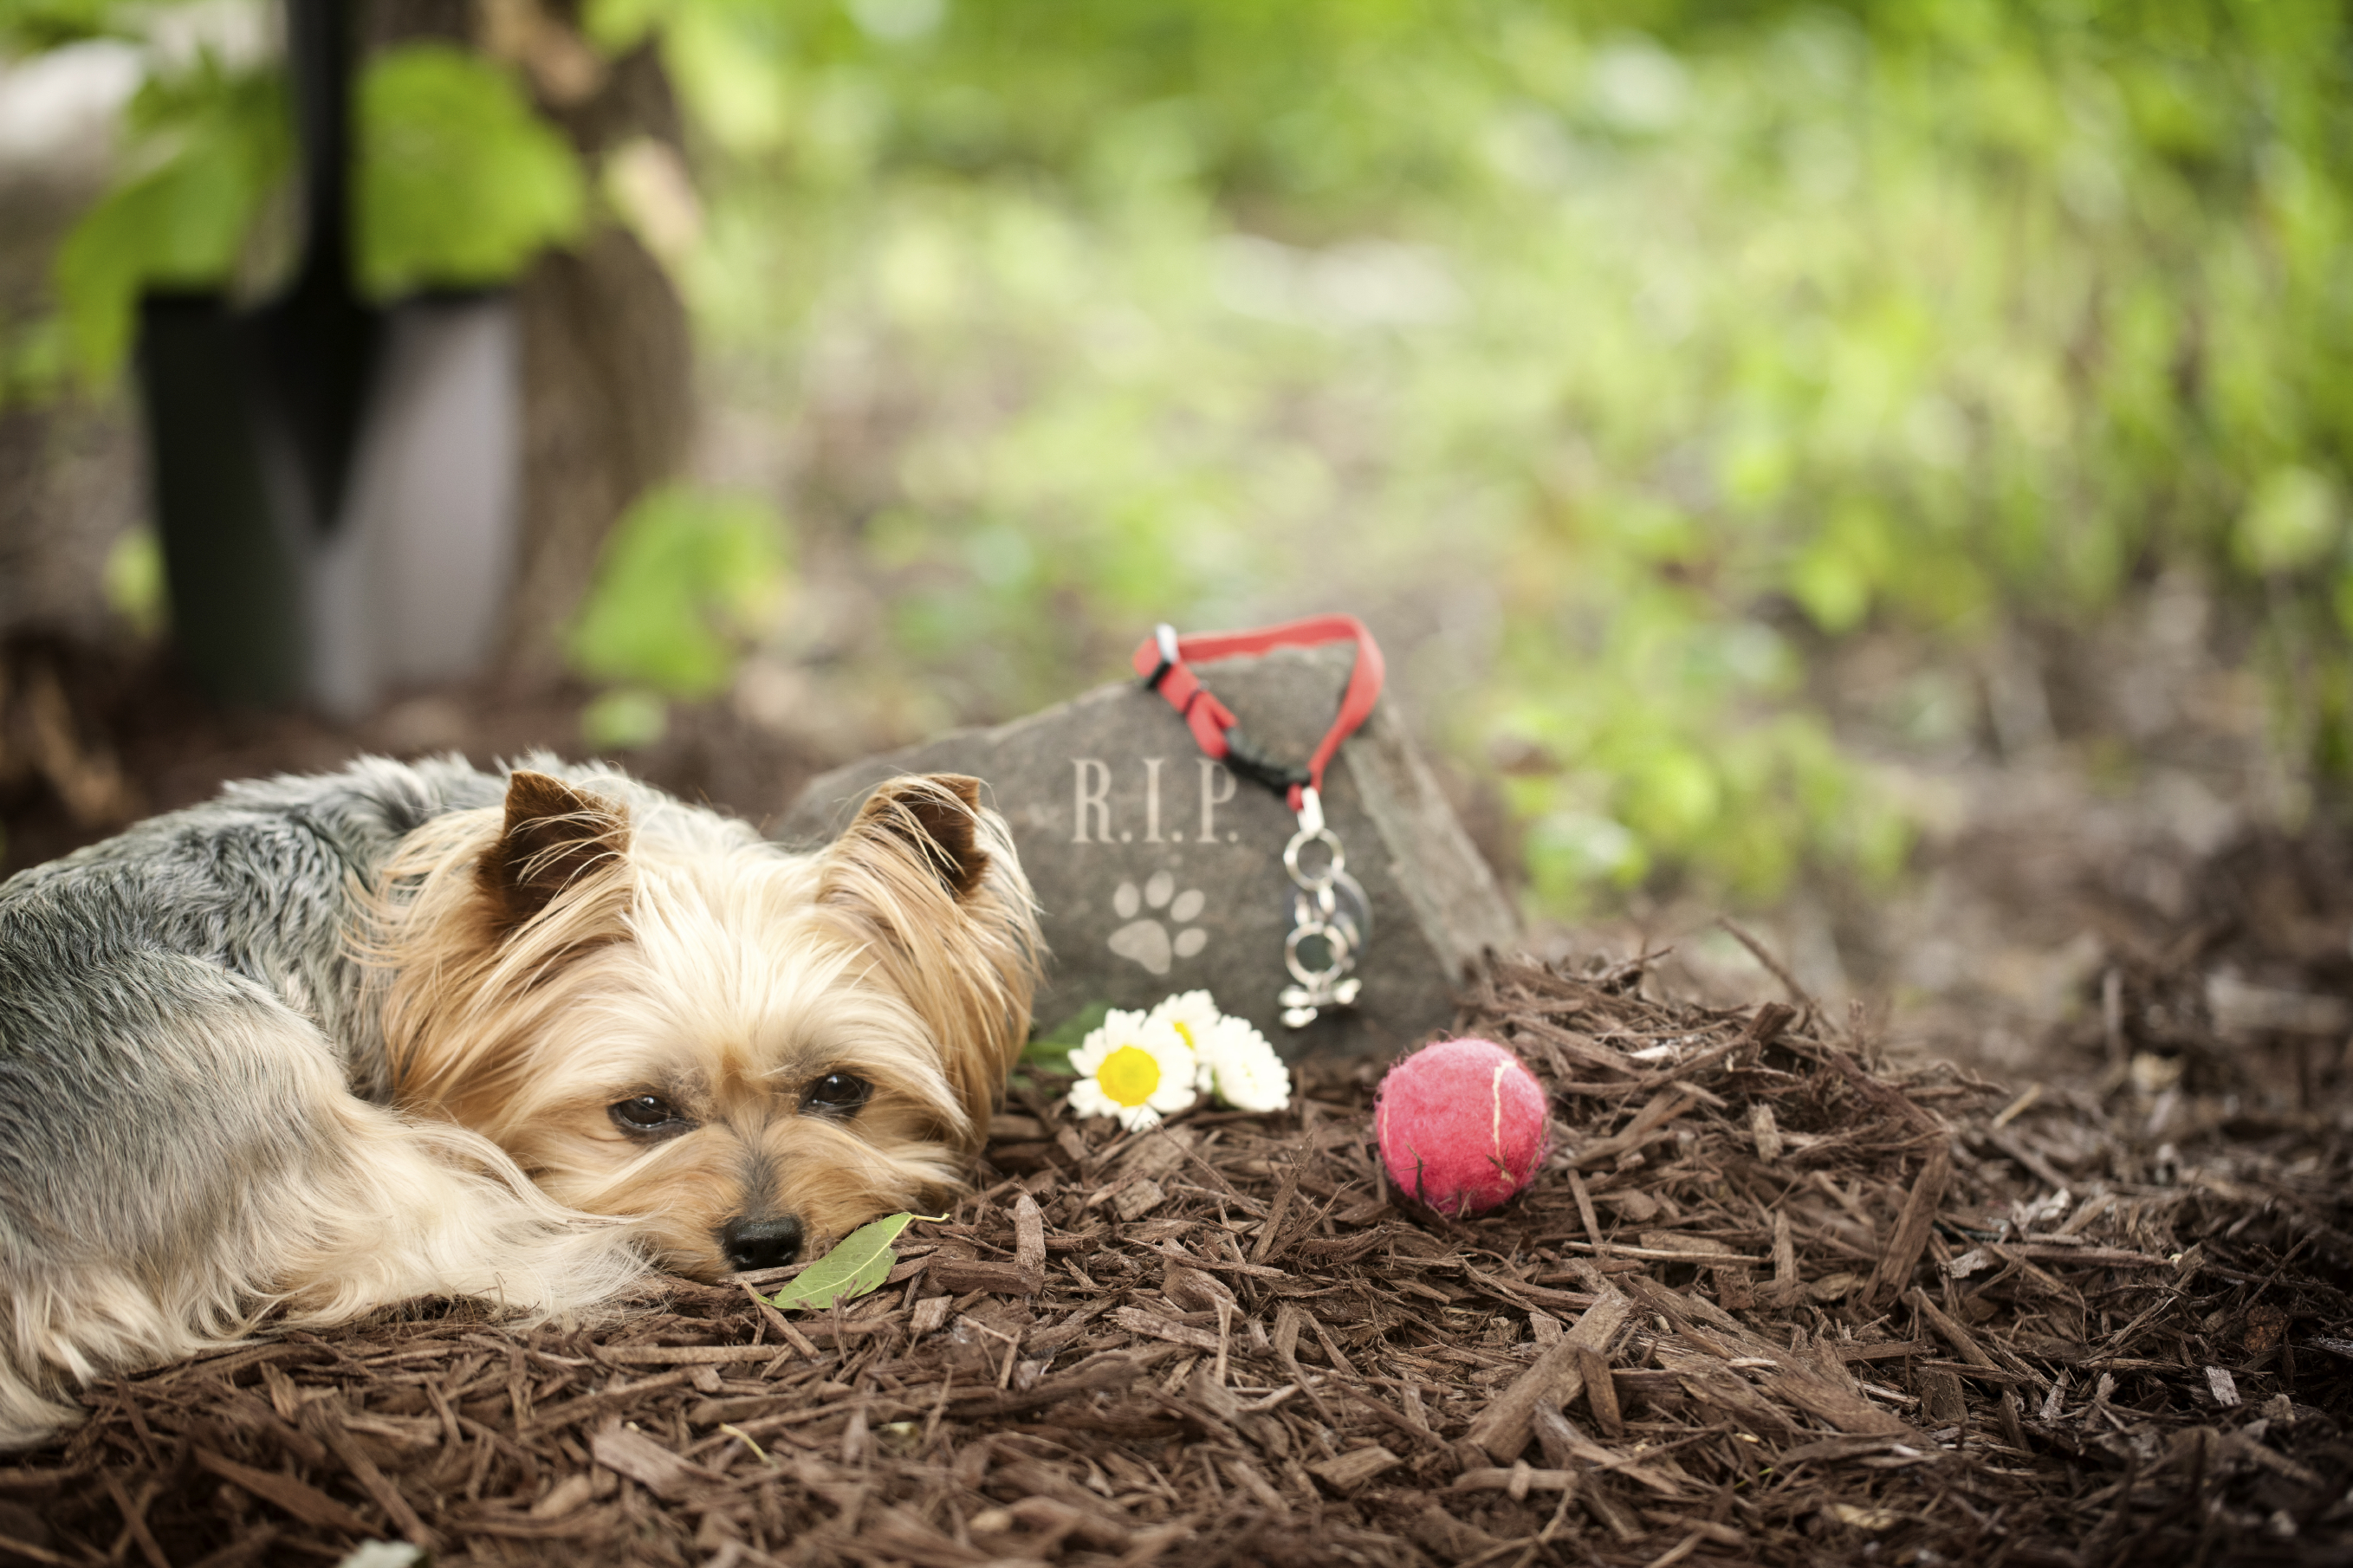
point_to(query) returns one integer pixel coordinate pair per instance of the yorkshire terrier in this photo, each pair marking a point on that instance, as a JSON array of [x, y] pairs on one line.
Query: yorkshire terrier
[[328, 1044]]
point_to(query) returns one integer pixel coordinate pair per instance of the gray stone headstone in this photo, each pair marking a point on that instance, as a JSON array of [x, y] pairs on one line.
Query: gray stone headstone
[[1158, 870]]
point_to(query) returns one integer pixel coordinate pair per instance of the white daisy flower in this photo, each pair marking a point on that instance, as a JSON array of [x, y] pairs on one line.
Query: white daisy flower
[[1195, 1014], [1135, 1068], [1241, 1067]]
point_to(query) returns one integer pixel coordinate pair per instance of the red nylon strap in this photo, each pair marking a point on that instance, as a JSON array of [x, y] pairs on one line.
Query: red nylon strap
[[1212, 721]]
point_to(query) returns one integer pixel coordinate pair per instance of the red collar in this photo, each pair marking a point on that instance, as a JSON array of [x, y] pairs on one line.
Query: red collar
[[1161, 660]]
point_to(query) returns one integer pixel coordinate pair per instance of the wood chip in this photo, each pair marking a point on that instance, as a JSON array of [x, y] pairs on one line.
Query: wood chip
[[1526, 1478], [1557, 1377], [1600, 1391], [1648, 1125], [1942, 1403], [1843, 1408], [1137, 1199], [303, 1501], [631, 1453], [1901, 1254], [1951, 1332], [1585, 1212], [1676, 1254], [564, 1495], [685, 1356], [963, 1275], [1354, 1468], [1142, 1322], [1029, 1242], [331, 1427]]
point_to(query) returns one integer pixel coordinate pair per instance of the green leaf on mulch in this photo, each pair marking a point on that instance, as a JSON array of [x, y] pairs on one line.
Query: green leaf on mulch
[[855, 1267]]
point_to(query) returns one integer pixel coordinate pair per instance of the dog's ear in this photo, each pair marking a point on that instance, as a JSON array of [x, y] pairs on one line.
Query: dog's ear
[[554, 835], [933, 881], [934, 818]]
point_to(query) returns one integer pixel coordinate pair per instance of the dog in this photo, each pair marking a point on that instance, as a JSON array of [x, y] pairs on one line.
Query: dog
[[327, 1044]]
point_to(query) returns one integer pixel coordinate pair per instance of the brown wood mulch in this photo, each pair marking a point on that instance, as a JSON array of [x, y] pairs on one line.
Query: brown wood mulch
[[1771, 1303]]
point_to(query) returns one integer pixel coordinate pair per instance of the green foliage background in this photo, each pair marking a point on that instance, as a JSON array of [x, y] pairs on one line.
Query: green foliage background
[[458, 183], [1670, 346], [1702, 336]]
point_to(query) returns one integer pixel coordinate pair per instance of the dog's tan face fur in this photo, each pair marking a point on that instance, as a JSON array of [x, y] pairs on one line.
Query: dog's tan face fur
[[663, 1018]]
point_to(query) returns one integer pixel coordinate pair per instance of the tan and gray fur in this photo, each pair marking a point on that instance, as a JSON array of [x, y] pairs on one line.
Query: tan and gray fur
[[328, 1044]]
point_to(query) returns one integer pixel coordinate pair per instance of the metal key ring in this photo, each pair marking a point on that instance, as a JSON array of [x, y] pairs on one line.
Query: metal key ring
[[1336, 941], [1329, 874]]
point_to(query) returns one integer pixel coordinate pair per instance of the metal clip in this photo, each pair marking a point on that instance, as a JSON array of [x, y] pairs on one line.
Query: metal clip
[[1329, 908], [1164, 636]]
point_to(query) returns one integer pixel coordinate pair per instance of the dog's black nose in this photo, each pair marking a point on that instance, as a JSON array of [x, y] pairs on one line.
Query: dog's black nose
[[760, 1243]]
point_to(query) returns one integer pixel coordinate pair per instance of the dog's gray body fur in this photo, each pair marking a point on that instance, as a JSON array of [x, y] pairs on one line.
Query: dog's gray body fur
[[255, 887], [190, 1066]]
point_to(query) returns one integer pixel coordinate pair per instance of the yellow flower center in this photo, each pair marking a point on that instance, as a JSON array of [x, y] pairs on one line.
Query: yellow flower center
[[1129, 1076]]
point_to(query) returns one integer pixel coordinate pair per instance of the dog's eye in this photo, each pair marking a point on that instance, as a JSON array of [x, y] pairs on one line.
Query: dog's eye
[[838, 1093], [646, 1113]]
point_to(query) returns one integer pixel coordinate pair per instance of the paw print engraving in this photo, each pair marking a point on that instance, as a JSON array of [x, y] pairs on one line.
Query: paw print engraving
[[1144, 939]]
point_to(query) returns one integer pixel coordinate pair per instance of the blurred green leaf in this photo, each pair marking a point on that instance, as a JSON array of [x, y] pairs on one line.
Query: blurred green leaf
[[618, 25], [728, 61], [206, 147], [133, 582], [2291, 521], [459, 182], [1570, 853], [685, 577], [30, 26], [1051, 1050], [623, 720]]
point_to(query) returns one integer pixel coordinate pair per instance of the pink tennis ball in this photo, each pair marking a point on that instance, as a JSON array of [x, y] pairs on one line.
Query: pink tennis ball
[[1461, 1125]]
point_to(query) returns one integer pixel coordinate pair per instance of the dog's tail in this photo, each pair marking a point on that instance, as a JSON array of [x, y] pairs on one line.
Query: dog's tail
[[423, 1208], [235, 1176]]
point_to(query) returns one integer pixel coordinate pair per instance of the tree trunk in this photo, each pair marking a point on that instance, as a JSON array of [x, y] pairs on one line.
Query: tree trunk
[[608, 359], [608, 375]]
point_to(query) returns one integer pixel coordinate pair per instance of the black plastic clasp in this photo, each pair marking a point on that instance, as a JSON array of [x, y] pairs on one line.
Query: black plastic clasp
[[1244, 757]]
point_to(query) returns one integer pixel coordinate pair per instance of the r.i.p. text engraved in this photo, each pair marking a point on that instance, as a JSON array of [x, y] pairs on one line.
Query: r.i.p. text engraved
[[1102, 811]]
